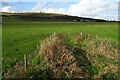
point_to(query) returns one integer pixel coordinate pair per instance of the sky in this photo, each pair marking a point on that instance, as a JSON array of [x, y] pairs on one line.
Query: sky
[[99, 9]]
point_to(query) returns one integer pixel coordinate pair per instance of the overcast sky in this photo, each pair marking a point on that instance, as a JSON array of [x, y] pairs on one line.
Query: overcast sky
[[100, 9]]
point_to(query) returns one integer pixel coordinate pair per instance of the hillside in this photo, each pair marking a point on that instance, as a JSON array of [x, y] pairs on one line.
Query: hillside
[[51, 17]]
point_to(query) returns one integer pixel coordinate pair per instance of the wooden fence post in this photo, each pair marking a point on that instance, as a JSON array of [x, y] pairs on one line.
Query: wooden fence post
[[25, 61]]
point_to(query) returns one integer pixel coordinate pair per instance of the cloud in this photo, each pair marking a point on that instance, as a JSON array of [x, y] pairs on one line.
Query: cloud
[[52, 10], [88, 8], [39, 6], [10, 9], [56, 4]]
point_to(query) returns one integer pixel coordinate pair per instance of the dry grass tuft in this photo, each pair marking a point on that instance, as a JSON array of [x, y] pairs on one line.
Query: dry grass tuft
[[104, 56], [58, 58]]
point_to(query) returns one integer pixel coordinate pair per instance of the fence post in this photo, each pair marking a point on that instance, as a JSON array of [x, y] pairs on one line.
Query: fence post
[[25, 61]]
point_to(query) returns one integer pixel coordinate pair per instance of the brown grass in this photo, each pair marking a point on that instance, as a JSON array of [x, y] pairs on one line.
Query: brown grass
[[59, 59], [103, 56]]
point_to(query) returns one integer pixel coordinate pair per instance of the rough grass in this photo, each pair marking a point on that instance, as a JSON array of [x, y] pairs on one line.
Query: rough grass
[[65, 56], [80, 57], [104, 56], [58, 58]]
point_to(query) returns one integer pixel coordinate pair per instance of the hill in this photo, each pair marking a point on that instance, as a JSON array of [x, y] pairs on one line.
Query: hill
[[51, 17]]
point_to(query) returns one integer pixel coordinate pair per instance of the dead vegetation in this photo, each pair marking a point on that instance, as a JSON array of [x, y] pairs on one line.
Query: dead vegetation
[[69, 59], [104, 56], [58, 58]]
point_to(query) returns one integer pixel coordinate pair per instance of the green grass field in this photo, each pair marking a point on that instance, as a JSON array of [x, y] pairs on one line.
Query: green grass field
[[94, 54], [21, 37]]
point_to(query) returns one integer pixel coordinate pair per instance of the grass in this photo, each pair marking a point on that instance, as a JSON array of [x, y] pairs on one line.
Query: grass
[[65, 56], [95, 56], [21, 37]]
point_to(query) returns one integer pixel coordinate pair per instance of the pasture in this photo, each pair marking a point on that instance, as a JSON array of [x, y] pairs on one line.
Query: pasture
[[21, 37]]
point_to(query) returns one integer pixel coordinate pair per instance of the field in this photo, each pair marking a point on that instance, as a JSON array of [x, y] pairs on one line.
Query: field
[[21, 37]]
